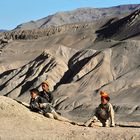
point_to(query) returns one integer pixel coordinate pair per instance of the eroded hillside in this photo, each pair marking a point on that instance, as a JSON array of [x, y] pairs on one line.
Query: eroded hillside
[[78, 60]]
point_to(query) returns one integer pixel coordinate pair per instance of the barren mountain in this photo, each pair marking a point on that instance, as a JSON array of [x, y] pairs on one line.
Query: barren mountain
[[2, 30], [31, 43], [78, 60], [127, 27], [76, 77], [79, 15]]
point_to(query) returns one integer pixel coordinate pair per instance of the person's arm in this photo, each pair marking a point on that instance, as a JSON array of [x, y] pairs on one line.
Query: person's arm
[[111, 111]]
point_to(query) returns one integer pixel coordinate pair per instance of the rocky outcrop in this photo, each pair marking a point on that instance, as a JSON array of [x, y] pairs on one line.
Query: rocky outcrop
[[37, 33], [127, 27]]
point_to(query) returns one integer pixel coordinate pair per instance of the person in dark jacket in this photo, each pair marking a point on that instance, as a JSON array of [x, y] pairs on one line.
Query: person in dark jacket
[[46, 92], [42, 106], [39, 104]]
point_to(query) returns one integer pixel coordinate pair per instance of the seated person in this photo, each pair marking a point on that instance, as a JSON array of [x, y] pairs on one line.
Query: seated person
[[37, 103], [46, 92], [42, 106], [104, 113]]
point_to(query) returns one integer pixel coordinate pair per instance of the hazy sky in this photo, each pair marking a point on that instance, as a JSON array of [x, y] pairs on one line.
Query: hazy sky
[[15, 12]]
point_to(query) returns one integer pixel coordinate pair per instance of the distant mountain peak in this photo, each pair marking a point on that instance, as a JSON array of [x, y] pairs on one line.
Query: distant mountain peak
[[79, 15], [3, 30]]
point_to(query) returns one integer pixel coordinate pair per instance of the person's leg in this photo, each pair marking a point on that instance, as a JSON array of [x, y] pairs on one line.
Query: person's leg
[[49, 115], [60, 118], [88, 122], [107, 123], [91, 121], [94, 124]]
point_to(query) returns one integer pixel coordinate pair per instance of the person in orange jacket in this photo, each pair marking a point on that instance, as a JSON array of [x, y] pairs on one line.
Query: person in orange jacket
[[104, 113]]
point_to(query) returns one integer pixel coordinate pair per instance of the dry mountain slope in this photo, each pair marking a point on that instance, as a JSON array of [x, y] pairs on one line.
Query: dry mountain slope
[[79, 15], [31, 43], [79, 35], [127, 27], [17, 122], [77, 76], [77, 73]]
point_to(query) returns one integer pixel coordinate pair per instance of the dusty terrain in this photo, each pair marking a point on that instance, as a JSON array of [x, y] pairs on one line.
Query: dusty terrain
[[17, 122], [78, 60]]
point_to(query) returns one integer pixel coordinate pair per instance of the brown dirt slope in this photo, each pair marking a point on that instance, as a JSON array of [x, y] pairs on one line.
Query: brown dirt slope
[[17, 122]]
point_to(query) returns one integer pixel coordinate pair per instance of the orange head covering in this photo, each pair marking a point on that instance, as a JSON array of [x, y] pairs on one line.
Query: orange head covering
[[104, 94]]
